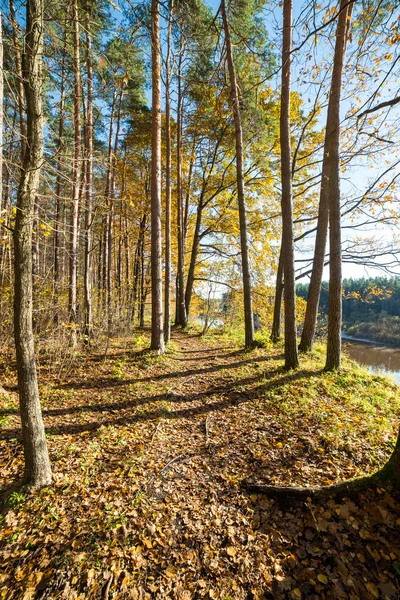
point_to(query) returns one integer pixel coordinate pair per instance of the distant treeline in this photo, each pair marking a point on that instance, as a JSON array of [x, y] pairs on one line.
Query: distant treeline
[[371, 307]]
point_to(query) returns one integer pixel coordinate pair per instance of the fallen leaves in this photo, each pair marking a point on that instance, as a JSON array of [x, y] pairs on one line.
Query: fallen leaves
[[146, 498]]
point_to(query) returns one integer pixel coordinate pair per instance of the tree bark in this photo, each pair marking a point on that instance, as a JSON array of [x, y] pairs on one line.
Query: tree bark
[[73, 260], [248, 308], [291, 358], [332, 125], [88, 328], [167, 293], [193, 256], [276, 323], [157, 333], [334, 341], [180, 298], [37, 464], [20, 80], [1, 116], [59, 186]]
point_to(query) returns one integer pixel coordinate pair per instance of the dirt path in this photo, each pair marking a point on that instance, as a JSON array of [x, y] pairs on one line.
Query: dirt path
[[148, 453]]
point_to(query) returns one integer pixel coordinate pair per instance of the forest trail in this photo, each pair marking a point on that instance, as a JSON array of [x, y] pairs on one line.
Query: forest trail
[[148, 452]]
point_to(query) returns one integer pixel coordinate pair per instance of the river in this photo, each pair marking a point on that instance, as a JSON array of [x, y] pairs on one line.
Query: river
[[377, 357]]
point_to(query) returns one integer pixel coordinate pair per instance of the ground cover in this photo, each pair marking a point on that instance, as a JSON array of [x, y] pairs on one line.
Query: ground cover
[[148, 453]]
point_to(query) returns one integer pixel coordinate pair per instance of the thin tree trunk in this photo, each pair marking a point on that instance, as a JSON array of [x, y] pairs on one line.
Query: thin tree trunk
[[106, 281], [35, 264], [18, 69], [248, 308], [1, 118], [289, 292], [276, 324], [180, 299], [167, 292], [88, 329], [157, 333], [334, 341], [37, 463], [193, 256], [59, 186], [332, 124], [73, 262]]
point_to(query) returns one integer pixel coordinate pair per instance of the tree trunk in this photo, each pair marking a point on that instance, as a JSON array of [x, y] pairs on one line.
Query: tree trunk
[[1, 117], [332, 125], [106, 279], [334, 341], [37, 463], [73, 261], [59, 202], [88, 329], [157, 333], [180, 298], [167, 293], [248, 308], [289, 292], [193, 256], [276, 323], [18, 68]]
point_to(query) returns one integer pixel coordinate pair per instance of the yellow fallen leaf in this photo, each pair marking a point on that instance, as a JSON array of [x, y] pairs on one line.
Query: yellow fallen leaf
[[20, 575], [231, 550], [147, 543], [297, 593], [170, 571], [322, 578], [279, 445], [371, 587]]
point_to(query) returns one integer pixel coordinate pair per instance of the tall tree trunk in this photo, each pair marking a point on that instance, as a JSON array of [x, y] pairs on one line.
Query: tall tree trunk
[[193, 256], [73, 261], [276, 323], [157, 333], [35, 264], [18, 68], [289, 292], [334, 342], [167, 292], [88, 329], [59, 186], [332, 125], [110, 233], [180, 298], [37, 463], [248, 308], [1, 116], [107, 199]]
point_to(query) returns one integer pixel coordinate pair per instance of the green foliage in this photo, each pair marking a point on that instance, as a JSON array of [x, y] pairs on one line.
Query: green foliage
[[15, 500]]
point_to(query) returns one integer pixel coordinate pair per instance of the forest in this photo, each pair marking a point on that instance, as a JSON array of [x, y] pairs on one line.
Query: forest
[[370, 308], [198, 200]]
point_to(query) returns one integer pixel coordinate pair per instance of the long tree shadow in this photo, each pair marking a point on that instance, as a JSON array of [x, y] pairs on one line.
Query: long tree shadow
[[230, 397], [105, 382]]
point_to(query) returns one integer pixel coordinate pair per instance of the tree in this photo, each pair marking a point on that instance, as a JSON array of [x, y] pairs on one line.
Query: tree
[[333, 349], [248, 309], [157, 334], [37, 464], [291, 359], [89, 182], [167, 294], [330, 161], [73, 250]]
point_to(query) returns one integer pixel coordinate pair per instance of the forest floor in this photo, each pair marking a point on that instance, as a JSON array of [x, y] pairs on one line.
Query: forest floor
[[148, 453]]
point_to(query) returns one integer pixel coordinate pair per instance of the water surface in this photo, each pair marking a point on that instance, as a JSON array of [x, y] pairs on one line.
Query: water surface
[[377, 357]]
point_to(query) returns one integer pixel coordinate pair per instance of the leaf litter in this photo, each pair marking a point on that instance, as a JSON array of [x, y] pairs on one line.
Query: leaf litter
[[148, 453]]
